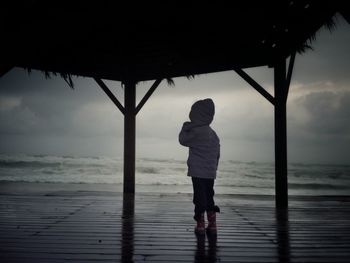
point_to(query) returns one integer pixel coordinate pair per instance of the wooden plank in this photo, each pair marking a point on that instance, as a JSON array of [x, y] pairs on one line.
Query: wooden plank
[[94, 229]]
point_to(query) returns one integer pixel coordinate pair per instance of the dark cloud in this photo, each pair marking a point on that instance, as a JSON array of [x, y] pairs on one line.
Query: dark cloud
[[39, 115], [328, 113]]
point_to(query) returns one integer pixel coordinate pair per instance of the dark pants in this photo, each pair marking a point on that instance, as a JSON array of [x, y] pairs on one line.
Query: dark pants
[[203, 196]]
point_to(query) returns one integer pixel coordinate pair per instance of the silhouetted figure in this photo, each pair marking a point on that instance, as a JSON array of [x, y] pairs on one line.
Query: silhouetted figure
[[204, 154]]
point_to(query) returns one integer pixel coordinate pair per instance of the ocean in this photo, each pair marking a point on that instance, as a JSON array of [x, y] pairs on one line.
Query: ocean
[[234, 177]]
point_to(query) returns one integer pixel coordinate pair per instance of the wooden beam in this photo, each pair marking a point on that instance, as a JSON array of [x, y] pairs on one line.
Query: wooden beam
[[255, 85], [289, 74], [281, 172], [345, 12], [129, 137], [110, 94], [4, 69], [148, 95]]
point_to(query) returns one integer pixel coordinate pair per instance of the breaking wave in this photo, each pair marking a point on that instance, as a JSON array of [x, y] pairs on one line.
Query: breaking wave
[[233, 176]]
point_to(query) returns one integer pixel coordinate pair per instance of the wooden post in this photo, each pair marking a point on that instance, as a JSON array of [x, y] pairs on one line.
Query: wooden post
[[129, 111], [281, 182], [127, 247], [129, 137]]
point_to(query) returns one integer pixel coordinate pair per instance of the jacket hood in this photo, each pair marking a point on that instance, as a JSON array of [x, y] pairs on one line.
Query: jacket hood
[[202, 112]]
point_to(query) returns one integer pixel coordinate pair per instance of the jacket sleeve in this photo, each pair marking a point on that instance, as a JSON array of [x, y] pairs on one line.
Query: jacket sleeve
[[219, 149], [187, 135], [217, 163]]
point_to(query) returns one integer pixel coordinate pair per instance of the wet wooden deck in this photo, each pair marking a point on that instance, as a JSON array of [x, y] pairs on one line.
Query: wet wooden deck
[[95, 227]]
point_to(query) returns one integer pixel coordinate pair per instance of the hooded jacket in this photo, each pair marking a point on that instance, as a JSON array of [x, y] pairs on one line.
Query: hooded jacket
[[203, 143]]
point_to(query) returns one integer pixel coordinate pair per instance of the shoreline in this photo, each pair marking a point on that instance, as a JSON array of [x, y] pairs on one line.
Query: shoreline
[[48, 188]]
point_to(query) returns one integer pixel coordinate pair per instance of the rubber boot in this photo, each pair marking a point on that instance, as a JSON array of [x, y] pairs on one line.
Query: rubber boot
[[200, 227], [211, 229]]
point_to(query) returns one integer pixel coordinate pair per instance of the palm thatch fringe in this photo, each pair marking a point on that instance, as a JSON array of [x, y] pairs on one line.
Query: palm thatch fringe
[[48, 75], [329, 24], [171, 82]]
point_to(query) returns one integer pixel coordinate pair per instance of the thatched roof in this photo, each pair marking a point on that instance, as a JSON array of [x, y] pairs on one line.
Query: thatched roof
[[150, 40]]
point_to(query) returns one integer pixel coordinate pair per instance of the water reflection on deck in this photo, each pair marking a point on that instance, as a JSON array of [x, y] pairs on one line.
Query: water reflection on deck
[[105, 227]]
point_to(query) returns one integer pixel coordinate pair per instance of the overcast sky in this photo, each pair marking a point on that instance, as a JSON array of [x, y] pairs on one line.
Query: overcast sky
[[39, 116]]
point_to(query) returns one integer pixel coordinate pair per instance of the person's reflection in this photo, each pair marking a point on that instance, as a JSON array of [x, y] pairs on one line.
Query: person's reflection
[[212, 249], [200, 251], [282, 232], [127, 245], [201, 254]]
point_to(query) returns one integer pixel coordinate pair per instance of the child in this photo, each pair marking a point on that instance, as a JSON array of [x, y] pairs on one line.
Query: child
[[204, 154]]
